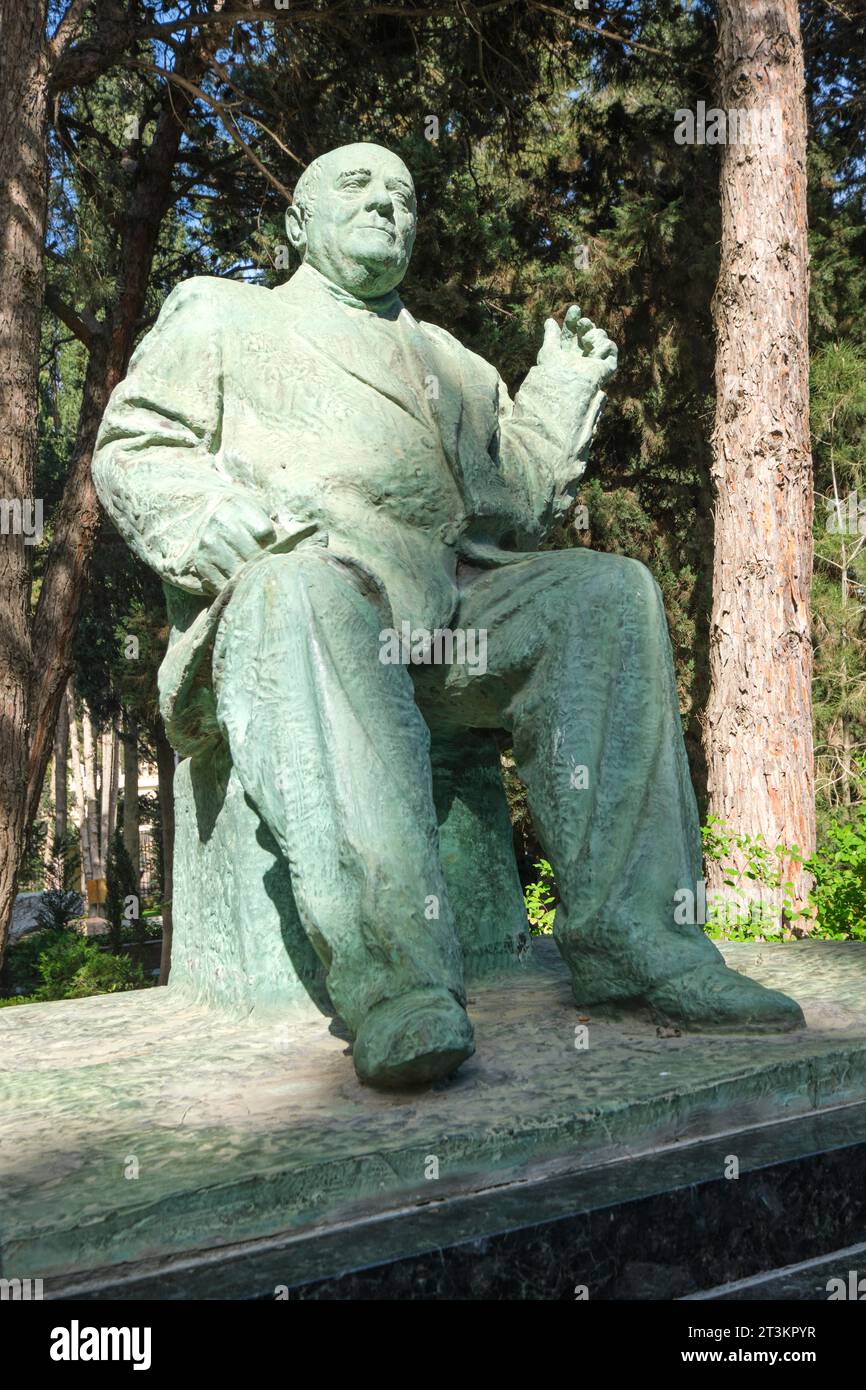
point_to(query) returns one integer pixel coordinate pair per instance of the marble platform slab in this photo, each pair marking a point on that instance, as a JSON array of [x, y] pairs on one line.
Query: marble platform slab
[[137, 1131]]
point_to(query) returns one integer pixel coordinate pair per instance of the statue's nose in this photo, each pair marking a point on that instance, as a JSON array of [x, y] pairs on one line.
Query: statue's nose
[[379, 198]]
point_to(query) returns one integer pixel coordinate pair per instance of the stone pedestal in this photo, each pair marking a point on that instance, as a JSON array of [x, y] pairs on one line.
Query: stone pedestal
[[152, 1147], [238, 940]]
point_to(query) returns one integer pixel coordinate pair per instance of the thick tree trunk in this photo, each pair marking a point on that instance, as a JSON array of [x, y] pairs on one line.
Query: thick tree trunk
[[131, 832], [80, 784], [90, 750], [23, 202], [758, 732], [110, 347], [108, 791], [165, 774], [34, 670], [61, 763]]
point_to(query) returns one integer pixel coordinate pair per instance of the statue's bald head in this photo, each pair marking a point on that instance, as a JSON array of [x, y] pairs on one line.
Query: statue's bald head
[[353, 218]]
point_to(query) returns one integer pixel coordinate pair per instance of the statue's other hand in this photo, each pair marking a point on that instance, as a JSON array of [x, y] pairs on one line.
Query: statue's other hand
[[587, 348], [238, 530]]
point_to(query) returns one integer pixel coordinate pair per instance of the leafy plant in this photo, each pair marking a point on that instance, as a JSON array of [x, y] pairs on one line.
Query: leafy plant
[[73, 966], [58, 908], [839, 868], [540, 900], [741, 914], [836, 907]]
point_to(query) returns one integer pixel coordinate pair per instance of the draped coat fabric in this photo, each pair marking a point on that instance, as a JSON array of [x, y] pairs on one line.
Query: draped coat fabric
[[354, 427]]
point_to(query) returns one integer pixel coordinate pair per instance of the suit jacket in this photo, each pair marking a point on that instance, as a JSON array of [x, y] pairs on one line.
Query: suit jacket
[[354, 427]]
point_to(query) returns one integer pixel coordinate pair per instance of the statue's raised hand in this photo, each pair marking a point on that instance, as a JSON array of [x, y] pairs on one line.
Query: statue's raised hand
[[579, 343]]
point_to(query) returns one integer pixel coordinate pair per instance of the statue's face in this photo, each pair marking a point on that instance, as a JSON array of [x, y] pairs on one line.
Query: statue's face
[[362, 226]]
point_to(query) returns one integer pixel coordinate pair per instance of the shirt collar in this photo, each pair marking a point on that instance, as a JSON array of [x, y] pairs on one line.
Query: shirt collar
[[384, 305]]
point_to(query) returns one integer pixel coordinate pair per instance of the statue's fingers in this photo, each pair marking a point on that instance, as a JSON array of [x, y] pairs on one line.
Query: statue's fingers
[[571, 330], [572, 319], [598, 342], [254, 520], [549, 350]]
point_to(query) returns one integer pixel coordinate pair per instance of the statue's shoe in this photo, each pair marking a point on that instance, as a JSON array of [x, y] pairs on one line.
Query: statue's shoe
[[713, 998], [415, 1038]]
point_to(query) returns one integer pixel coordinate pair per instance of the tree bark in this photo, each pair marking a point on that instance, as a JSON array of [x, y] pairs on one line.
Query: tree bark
[[23, 204], [758, 728], [61, 764], [36, 659], [80, 783], [77, 519], [91, 809], [108, 790], [165, 774]]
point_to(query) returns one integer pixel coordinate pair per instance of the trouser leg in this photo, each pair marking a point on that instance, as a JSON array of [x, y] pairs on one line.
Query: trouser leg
[[330, 747], [579, 668]]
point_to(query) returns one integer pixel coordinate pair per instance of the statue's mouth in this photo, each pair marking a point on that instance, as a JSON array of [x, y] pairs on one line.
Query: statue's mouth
[[380, 227]]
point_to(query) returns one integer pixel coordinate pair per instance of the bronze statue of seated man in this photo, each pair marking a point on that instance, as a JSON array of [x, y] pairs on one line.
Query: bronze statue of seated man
[[339, 493]]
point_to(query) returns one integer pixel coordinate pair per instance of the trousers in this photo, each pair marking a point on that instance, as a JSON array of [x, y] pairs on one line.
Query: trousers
[[330, 737]]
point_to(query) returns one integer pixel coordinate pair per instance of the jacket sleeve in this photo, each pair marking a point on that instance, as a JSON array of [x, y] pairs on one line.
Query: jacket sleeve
[[543, 438], [155, 465]]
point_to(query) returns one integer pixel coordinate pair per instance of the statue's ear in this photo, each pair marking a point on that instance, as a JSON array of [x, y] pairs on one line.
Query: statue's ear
[[295, 230]]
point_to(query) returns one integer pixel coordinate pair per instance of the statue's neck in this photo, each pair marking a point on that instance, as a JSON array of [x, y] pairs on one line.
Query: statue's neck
[[386, 305]]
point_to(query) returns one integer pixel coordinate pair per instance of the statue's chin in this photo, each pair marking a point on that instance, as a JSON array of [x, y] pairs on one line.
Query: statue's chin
[[368, 273], [376, 275]]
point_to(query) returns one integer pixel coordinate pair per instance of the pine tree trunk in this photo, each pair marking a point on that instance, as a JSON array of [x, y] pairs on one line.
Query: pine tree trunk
[[61, 761], [108, 791], [758, 730], [76, 520], [23, 203], [48, 842], [61, 795], [90, 748], [80, 784]]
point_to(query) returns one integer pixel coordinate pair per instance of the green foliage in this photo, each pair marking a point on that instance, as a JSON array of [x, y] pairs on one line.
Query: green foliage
[[540, 900], [839, 867], [21, 975], [838, 415], [836, 906], [744, 914], [57, 908], [71, 966]]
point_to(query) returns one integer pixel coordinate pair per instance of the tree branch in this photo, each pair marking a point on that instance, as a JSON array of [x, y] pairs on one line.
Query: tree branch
[[88, 60], [67, 29], [78, 326], [225, 115]]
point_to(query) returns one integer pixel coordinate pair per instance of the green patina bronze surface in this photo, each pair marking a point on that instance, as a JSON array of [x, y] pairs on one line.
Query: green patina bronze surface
[[135, 1128], [328, 488]]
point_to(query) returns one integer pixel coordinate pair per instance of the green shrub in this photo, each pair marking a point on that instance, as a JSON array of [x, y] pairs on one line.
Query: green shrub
[[839, 867], [540, 900], [836, 906], [21, 970], [72, 967], [736, 913], [57, 908]]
